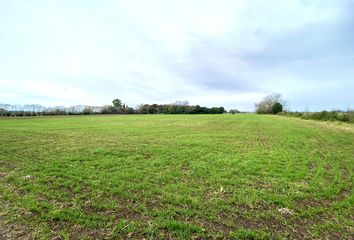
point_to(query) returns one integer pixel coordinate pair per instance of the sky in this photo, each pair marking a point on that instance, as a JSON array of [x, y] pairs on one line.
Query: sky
[[211, 53]]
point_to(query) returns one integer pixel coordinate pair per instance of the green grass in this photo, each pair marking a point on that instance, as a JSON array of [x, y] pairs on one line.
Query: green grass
[[176, 177]]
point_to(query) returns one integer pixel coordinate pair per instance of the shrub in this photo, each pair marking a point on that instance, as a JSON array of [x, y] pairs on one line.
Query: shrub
[[277, 108], [323, 116]]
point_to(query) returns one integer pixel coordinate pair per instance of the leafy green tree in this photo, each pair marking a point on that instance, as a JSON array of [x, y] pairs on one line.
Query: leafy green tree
[[277, 108], [117, 103], [222, 110]]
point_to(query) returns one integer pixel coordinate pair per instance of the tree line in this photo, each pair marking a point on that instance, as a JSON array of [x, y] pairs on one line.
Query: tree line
[[271, 104], [178, 109], [118, 107]]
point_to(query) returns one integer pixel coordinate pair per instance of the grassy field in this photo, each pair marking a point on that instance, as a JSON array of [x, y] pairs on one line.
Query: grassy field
[[176, 177]]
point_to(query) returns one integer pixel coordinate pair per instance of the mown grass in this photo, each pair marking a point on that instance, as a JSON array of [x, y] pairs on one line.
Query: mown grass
[[175, 176]]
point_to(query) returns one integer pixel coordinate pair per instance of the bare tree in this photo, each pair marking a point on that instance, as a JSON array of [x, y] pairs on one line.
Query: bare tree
[[181, 103]]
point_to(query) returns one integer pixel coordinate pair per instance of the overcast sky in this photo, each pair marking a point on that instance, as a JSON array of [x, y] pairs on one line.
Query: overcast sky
[[211, 53]]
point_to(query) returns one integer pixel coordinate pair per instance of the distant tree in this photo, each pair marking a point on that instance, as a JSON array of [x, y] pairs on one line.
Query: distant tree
[[87, 111], [117, 103], [143, 109], [129, 110], [222, 110], [277, 108], [2, 112], [154, 108], [139, 108], [233, 111], [265, 106], [181, 103], [198, 109]]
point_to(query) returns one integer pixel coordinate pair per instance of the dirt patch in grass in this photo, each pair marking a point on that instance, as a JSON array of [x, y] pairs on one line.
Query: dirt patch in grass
[[2, 174], [326, 202], [62, 230], [14, 231]]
